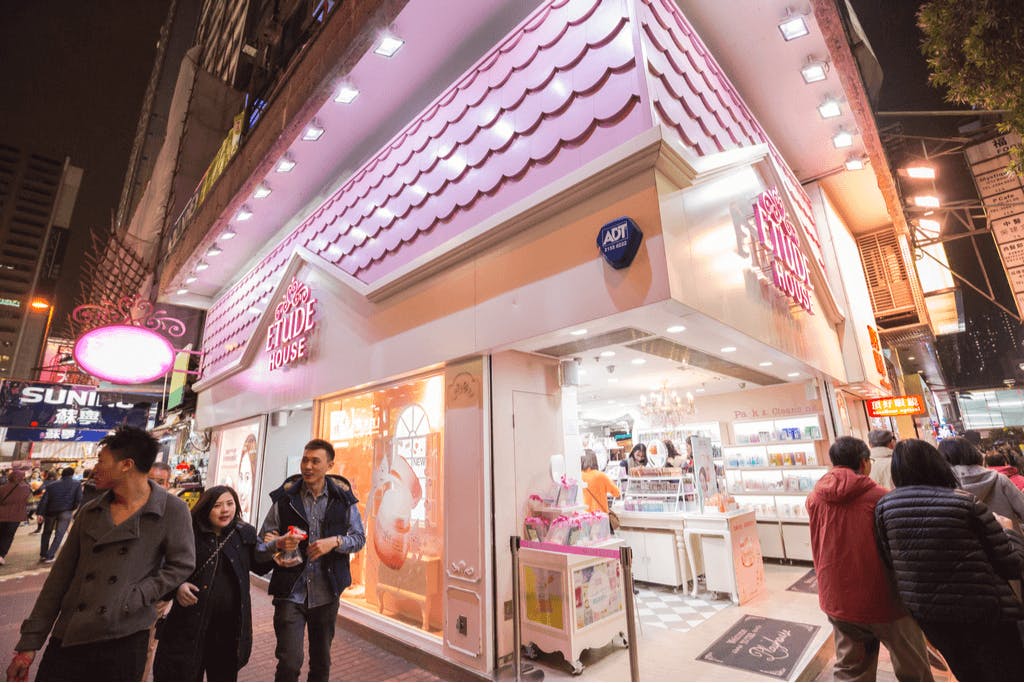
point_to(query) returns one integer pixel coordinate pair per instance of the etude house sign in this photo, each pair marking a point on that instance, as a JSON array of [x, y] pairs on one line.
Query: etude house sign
[[780, 250], [288, 336]]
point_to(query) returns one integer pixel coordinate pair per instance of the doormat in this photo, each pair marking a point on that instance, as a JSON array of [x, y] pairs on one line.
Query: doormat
[[808, 583], [770, 647]]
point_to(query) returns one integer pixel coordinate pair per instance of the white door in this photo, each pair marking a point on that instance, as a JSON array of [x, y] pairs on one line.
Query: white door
[[537, 435]]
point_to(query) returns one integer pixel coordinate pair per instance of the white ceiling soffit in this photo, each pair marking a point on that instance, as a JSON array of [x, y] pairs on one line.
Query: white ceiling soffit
[[744, 37]]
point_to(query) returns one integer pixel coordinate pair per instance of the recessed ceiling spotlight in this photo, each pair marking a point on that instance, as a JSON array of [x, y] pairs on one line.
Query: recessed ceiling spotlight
[[244, 214], [793, 374], [842, 139], [854, 164], [814, 70], [765, 364], [613, 380], [607, 354], [314, 131], [202, 265], [262, 190], [728, 349], [190, 279], [228, 234], [927, 201], [214, 250], [285, 165], [388, 46], [183, 290], [579, 333], [699, 391], [793, 26], [611, 401], [346, 95], [638, 361], [675, 329], [830, 109], [911, 358]]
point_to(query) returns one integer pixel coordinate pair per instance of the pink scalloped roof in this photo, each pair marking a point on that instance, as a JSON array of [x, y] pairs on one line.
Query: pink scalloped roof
[[563, 88]]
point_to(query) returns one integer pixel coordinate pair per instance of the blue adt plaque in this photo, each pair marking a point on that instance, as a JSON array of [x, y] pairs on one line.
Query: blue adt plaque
[[619, 241]]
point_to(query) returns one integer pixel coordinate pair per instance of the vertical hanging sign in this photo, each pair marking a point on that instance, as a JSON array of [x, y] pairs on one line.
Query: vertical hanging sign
[[288, 336]]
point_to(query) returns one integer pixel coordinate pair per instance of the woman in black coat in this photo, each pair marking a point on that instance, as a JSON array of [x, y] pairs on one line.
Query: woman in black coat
[[952, 561], [209, 628]]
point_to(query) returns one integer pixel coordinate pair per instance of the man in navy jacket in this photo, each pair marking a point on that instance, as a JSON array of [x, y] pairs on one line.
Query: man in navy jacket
[[60, 500]]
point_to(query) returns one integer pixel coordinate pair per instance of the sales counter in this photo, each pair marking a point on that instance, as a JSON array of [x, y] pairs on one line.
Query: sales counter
[[672, 548]]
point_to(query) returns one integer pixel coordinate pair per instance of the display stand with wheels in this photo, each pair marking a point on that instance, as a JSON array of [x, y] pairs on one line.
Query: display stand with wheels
[[571, 598]]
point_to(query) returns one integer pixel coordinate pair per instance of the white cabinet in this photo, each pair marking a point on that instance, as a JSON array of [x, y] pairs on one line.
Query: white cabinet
[[655, 556], [797, 538], [770, 536]]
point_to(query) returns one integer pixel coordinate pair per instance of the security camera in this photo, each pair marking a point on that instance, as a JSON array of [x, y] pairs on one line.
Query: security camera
[[743, 385], [610, 369]]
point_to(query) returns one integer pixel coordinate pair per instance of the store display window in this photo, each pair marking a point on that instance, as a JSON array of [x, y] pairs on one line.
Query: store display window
[[388, 444], [235, 462]]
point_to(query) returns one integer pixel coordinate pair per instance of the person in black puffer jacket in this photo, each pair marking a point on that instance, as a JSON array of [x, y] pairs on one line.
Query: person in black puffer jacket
[[952, 560], [209, 628]]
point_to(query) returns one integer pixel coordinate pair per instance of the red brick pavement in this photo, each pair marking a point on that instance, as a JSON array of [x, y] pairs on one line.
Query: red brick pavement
[[357, 655]]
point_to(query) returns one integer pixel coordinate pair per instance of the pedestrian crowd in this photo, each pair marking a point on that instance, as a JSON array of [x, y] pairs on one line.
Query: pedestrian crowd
[[918, 547], [144, 584]]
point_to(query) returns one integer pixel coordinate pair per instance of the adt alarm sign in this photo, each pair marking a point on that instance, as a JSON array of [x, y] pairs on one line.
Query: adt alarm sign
[[619, 241]]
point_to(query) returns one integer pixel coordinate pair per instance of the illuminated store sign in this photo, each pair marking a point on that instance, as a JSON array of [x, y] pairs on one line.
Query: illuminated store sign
[[11, 303], [780, 250], [896, 406], [288, 335]]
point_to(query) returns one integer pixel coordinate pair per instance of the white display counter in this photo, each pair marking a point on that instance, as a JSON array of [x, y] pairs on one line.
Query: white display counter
[[731, 551], [659, 546]]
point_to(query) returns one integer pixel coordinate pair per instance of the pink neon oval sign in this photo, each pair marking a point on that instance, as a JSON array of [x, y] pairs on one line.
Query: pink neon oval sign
[[124, 354]]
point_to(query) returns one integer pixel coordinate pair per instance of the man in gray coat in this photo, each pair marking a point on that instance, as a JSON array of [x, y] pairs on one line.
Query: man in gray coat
[[126, 549]]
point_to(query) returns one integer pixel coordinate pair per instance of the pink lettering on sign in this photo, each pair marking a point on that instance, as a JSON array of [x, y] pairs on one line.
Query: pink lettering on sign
[[780, 245], [288, 335]]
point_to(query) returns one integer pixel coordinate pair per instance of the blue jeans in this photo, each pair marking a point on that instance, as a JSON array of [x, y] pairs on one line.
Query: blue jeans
[[55, 524], [290, 621]]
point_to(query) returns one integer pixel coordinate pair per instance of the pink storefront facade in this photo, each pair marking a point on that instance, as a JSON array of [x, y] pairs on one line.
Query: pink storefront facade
[[426, 277]]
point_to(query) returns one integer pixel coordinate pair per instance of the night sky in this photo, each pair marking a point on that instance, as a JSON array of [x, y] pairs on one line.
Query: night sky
[[74, 74]]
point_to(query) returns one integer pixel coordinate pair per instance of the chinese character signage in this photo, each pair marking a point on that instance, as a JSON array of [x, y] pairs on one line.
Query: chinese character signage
[[1002, 193], [288, 336], [42, 406], [780, 252], [895, 406], [55, 434]]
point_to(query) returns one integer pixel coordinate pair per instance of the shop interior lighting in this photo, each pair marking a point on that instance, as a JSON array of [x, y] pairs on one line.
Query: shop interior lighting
[[638, 361], [921, 172], [613, 380], [911, 358], [579, 333], [607, 354], [830, 109], [929, 201], [214, 250], [202, 265], [244, 214], [285, 165], [228, 234], [814, 70], [855, 164], [728, 349], [842, 139], [262, 190], [675, 329], [183, 290], [346, 95], [793, 26], [190, 279], [793, 374], [314, 131], [388, 46], [765, 364]]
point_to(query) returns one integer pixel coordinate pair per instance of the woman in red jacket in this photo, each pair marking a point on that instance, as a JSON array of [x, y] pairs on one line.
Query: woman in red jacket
[[997, 462]]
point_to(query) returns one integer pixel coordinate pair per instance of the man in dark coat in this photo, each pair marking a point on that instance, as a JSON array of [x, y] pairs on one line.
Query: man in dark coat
[[125, 550], [61, 499], [14, 497], [306, 594]]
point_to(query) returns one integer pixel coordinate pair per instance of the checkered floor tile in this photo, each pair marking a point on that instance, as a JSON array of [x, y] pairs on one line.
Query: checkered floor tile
[[660, 607]]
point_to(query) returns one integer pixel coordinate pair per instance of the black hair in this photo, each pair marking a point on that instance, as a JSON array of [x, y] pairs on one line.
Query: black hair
[[320, 444], [203, 506], [67, 472], [960, 451], [639, 447], [673, 452], [849, 451], [589, 461], [132, 443], [996, 460], [918, 463]]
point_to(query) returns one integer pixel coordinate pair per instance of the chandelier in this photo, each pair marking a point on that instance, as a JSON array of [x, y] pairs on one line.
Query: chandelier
[[666, 408]]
